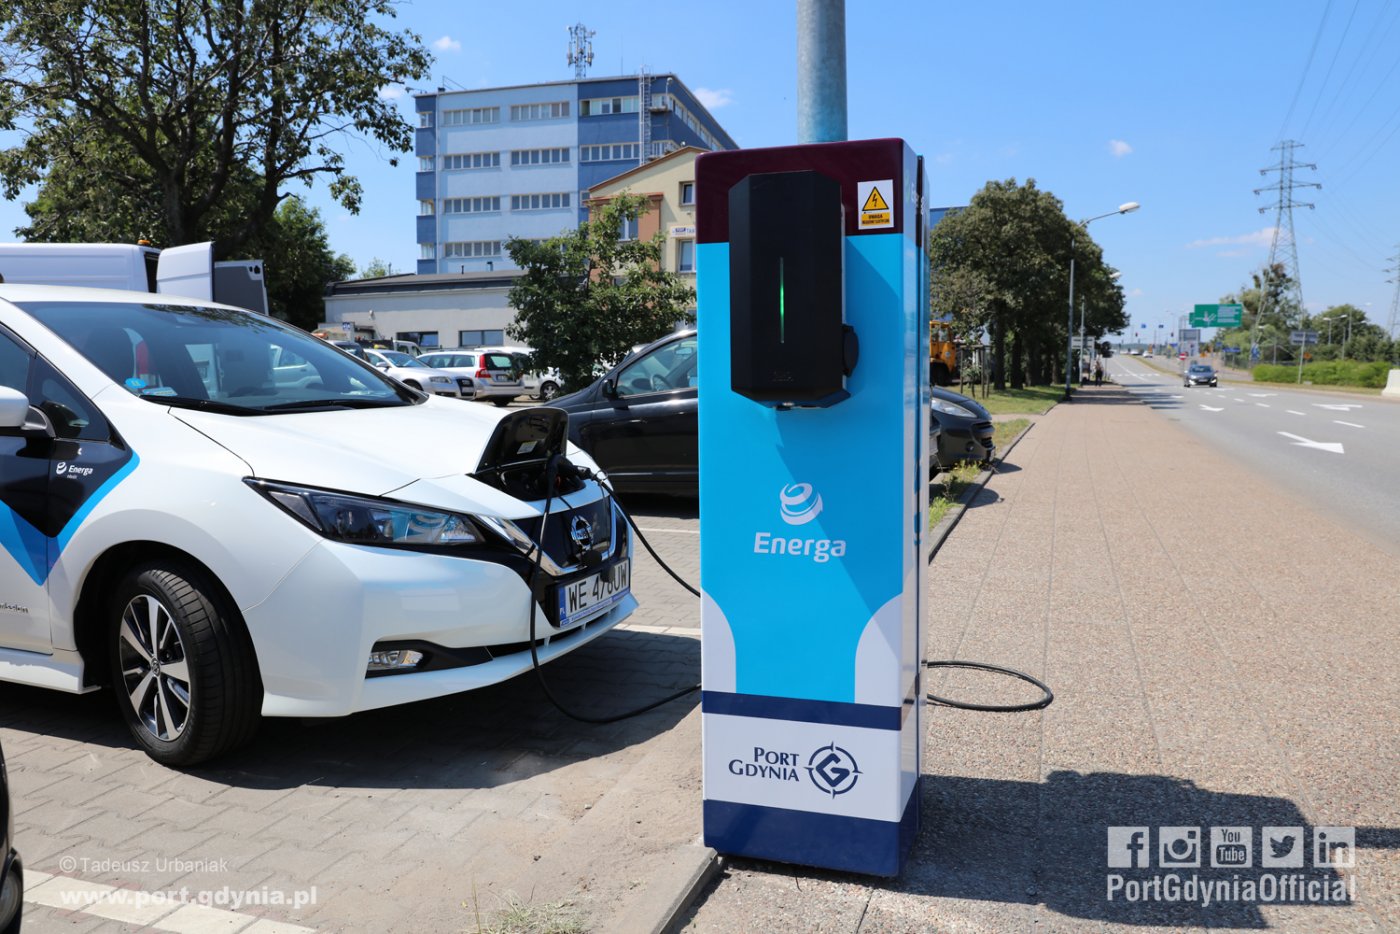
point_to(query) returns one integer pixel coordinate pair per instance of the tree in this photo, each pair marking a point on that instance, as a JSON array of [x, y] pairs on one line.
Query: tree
[[587, 296], [299, 264], [214, 107], [1012, 245], [377, 269]]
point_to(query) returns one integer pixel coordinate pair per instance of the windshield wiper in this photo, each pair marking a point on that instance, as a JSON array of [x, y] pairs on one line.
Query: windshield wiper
[[208, 405], [307, 405]]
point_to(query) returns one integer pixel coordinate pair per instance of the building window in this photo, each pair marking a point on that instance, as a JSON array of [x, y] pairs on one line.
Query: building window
[[598, 106], [425, 163], [546, 201], [425, 119], [472, 160], [427, 251], [550, 111], [687, 193], [685, 256], [486, 338], [471, 117], [610, 152], [471, 205], [627, 229], [424, 339], [471, 249], [522, 157], [425, 208]]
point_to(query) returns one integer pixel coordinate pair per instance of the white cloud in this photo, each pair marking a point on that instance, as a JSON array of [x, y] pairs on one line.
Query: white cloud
[[714, 98], [1119, 148], [1136, 293], [391, 92], [447, 44], [1261, 237]]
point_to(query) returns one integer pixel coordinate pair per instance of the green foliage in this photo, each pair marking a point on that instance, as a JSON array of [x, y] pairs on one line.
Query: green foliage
[[1003, 264], [587, 297], [1327, 373], [377, 269], [180, 120], [298, 264], [1031, 400]]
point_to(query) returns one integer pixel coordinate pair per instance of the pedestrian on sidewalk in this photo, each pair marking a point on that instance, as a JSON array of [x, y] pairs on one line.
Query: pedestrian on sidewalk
[[1098, 372]]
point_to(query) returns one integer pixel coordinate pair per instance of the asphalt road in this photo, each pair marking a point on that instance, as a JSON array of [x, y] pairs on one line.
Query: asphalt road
[[1338, 452]]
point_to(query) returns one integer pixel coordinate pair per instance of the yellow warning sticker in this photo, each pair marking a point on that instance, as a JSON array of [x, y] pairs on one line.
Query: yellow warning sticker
[[874, 200]]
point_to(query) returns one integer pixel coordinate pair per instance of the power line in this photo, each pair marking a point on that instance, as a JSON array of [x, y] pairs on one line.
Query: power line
[[1302, 79], [1332, 64], [1377, 39]]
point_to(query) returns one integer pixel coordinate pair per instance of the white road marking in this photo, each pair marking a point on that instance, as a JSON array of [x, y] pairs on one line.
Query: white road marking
[[1263, 395], [1348, 424], [1240, 401], [1333, 446], [1343, 407], [1211, 408], [1263, 405], [1178, 397], [1294, 412]]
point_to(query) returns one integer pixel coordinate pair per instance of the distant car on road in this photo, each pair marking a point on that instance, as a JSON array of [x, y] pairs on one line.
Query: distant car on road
[[965, 429], [1201, 374], [1148, 355]]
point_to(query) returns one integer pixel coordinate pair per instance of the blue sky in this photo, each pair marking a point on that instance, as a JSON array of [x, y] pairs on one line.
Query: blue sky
[[1172, 105]]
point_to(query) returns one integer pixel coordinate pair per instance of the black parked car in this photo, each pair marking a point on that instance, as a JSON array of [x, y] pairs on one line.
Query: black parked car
[[966, 429], [639, 421], [12, 885]]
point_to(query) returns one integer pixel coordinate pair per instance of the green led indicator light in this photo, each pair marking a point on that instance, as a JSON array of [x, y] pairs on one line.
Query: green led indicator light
[[782, 305]]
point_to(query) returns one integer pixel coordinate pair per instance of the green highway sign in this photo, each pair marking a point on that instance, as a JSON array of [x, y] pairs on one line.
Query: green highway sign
[[1217, 316]]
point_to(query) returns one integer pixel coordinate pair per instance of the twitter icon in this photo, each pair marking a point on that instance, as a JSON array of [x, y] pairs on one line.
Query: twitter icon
[[1283, 848]]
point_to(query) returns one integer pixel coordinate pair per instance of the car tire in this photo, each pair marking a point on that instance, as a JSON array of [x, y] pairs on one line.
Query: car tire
[[940, 376], [548, 390], [501, 402], [199, 690]]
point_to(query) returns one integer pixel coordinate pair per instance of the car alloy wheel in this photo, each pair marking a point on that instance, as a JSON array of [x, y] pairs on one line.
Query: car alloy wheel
[[155, 671], [548, 391]]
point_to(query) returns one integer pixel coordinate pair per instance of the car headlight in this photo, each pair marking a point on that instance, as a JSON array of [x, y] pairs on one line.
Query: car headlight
[[438, 379], [951, 408], [369, 520]]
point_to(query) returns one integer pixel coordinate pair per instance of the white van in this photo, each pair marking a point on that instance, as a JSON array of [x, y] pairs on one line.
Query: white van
[[222, 518]]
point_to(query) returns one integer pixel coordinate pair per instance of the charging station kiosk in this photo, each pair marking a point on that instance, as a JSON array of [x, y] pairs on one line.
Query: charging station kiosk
[[814, 408]]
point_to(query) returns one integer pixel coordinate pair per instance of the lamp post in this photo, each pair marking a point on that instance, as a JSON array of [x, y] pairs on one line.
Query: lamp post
[[1128, 208]]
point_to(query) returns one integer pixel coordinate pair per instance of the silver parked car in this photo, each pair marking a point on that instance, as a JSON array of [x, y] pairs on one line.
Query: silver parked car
[[492, 376], [407, 370]]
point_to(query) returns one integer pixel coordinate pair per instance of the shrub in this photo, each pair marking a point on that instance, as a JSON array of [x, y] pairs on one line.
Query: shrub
[[1327, 373]]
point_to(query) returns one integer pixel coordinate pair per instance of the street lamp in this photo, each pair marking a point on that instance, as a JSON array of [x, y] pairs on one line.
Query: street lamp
[[1128, 208]]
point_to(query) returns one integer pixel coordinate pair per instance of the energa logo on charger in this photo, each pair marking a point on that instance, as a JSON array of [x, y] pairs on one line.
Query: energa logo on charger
[[798, 504]]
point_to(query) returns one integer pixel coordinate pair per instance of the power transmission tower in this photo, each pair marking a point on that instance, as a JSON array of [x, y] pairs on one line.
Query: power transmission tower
[[1395, 302], [580, 49], [1283, 250]]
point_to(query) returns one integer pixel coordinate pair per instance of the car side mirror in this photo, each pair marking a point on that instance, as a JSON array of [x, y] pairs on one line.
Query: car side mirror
[[19, 418], [610, 388]]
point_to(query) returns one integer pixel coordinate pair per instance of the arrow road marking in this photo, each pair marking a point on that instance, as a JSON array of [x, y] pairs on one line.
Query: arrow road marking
[[1348, 424], [1334, 446], [1346, 407], [1211, 408], [1294, 412]]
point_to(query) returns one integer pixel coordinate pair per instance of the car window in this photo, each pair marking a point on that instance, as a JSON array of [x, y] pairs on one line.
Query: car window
[[670, 366], [70, 412], [499, 361], [194, 354], [14, 364]]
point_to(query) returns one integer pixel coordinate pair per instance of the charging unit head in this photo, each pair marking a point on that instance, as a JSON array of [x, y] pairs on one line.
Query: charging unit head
[[789, 343]]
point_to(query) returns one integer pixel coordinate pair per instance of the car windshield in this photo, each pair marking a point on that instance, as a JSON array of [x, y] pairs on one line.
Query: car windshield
[[398, 358], [216, 358], [1199, 368]]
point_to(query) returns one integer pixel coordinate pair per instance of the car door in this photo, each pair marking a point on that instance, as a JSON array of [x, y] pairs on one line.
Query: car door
[[24, 478], [647, 429]]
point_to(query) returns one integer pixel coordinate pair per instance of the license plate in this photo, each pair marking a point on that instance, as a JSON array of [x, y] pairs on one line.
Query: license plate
[[593, 593]]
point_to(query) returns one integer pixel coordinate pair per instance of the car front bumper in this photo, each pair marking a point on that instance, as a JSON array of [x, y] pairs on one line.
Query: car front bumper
[[966, 444]]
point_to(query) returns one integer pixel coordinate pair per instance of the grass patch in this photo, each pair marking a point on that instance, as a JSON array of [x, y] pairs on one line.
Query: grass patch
[[1031, 400], [1003, 433], [947, 487], [520, 917], [1327, 373]]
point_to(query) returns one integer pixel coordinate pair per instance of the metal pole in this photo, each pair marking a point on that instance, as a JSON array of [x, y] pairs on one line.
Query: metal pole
[[1069, 328], [1082, 355], [821, 71]]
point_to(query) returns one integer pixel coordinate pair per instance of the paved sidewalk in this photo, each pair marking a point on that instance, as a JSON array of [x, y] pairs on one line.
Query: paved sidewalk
[[1220, 656]]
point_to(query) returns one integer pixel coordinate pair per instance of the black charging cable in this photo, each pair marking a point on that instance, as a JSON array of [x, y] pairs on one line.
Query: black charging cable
[[1047, 696], [551, 475]]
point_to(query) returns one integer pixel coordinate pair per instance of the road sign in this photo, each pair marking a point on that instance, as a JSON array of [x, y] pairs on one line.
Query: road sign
[[348, 327], [1299, 338], [1181, 356], [1190, 334], [1217, 316], [1229, 350]]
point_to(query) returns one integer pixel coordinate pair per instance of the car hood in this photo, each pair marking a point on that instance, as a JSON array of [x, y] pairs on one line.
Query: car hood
[[959, 399], [371, 451]]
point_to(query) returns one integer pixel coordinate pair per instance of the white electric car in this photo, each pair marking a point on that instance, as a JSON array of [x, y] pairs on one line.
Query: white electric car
[[218, 534]]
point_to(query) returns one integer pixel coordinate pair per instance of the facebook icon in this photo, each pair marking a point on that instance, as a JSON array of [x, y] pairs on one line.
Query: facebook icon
[[1127, 848]]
